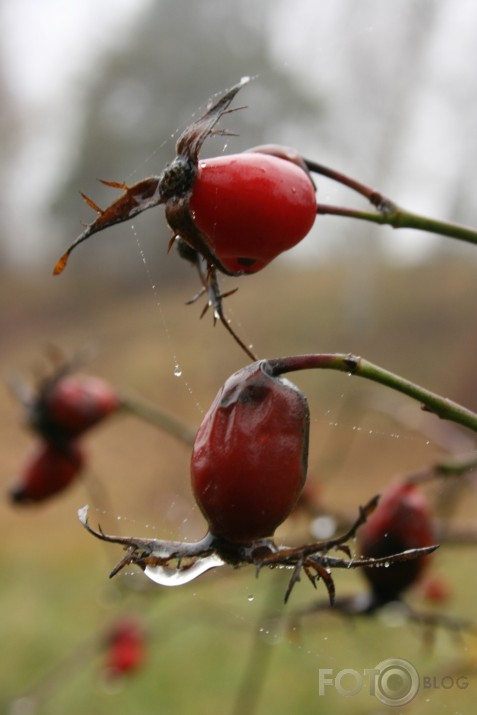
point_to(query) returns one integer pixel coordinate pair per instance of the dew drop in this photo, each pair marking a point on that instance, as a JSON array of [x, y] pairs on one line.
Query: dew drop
[[166, 576], [177, 370]]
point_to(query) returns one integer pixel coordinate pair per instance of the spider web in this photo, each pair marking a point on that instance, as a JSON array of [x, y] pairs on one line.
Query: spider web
[[360, 441]]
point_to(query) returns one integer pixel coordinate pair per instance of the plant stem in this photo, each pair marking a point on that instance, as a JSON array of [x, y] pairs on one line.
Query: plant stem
[[397, 217], [353, 365], [156, 416], [388, 212]]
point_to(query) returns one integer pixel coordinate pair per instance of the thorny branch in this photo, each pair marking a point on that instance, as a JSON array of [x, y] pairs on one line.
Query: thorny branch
[[313, 559]]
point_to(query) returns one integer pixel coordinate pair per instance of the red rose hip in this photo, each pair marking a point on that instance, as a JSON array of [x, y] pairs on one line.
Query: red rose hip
[[48, 470], [71, 405], [125, 648], [401, 521], [251, 207], [249, 458]]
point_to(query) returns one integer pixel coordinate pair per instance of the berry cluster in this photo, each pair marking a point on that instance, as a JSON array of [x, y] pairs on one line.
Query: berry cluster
[[234, 215], [60, 412]]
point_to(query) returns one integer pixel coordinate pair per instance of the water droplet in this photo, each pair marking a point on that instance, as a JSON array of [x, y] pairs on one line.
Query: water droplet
[[177, 370], [165, 576], [203, 164], [250, 598], [386, 564]]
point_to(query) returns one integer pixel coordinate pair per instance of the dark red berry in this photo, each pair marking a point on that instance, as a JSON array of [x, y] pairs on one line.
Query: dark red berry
[[71, 405], [48, 470], [251, 207], [125, 648], [249, 458], [401, 521]]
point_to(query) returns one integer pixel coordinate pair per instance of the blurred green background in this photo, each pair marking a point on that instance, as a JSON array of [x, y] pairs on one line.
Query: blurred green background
[[384, 92]]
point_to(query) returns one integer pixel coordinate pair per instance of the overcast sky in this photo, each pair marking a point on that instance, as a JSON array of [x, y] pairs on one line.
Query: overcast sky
[[50, 47]]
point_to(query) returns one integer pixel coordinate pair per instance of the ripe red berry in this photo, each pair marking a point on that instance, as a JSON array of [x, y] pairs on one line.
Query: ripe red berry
[[251, 207], [249, 458], [71, 405], [401, 521], [436, 589], [48, 470], [126, 648]]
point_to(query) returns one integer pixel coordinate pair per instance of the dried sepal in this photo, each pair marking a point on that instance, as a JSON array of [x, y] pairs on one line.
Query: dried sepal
[[314, 559]]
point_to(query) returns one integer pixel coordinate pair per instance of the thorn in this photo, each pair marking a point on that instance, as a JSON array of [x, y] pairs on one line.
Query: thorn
[[114, 184], [91, 204]]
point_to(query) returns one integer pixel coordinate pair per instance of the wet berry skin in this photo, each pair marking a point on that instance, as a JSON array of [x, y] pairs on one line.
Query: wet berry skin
[[251, 207], [72, 405], [249, 459], [401, 521], [47, 471]]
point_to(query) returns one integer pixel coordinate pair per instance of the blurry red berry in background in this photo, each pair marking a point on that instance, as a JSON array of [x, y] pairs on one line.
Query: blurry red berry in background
[[249, 459], [251, 207], [48, 470], [435, 589], [70, 405], [401, 521], [125, 648]]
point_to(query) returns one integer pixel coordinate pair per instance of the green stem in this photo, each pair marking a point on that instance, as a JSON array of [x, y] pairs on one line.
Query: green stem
[[353, 365], [388, 213], [392, 215], [156, 416], [452, 467]]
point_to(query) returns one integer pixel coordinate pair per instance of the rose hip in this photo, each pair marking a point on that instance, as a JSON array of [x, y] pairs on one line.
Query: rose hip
[[249, 459]]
